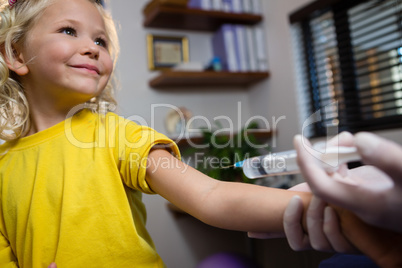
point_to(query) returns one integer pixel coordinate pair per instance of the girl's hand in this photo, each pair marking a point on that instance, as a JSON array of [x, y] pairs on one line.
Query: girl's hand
[[52, 265]]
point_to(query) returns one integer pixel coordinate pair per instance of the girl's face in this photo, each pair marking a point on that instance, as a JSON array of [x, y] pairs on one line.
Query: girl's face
[[66, 54]]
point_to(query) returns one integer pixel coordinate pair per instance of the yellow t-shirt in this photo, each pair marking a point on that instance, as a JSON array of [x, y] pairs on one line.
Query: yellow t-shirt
[[72, 194]]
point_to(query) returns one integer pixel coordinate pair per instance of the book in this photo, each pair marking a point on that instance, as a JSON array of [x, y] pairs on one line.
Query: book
[[256, 6], [194, 4], [241, 47], [262, 64], [237, 6], [251, 49], [247, 6], [217, 5], [223, 46], [200, 4], [227, 5], [234, 6]]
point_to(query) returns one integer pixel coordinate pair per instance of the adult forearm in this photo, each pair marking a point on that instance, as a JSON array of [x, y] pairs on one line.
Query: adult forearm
[[381, 245]]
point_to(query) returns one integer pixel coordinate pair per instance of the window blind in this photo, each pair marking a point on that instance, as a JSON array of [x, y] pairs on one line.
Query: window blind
[[348, 65]]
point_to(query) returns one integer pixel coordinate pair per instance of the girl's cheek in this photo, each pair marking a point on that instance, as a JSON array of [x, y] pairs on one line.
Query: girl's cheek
[[109, 66]]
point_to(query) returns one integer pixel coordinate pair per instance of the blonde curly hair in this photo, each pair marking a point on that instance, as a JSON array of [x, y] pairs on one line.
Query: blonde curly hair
[[15, 23]]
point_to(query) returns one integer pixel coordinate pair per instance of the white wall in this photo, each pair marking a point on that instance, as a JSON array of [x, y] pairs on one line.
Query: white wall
[[184, 241]]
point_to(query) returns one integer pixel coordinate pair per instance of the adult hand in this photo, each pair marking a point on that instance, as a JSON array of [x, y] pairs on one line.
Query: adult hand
[[373, 192], [323, 229]]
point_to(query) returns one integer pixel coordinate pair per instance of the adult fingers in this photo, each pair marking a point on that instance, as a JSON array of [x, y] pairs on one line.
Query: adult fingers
[[333, 232], [308, 163], [301, 187], [330, 188], [292, 225], [381, 153], [343, 139], [315, 216]]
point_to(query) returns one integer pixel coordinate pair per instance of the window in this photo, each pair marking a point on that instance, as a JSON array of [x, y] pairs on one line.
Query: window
[[349, 65]]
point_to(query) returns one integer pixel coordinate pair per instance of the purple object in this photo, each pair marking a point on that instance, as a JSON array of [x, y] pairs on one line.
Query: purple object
[[224, 47], [227, 260], [194, 4]]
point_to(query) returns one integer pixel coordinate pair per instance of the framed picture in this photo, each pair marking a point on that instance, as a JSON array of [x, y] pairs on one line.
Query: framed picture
[[164, 52]]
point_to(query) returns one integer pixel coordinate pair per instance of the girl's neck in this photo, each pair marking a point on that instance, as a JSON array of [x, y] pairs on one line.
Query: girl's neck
[[41, 121], [47, 110], [44, 117]]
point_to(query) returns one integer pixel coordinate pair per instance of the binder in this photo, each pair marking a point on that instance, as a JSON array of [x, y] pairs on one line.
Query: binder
[[227, 5], [237, 6], [206, 4], [234, 6], [251, 49], [262, 64], [256, 6], [247, 6], [217, 5], [241, 47], [200, 4], [223, 46]]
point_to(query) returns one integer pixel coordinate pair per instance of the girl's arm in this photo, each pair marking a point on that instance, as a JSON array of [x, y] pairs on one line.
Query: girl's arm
[[235, 206], [245, 207]]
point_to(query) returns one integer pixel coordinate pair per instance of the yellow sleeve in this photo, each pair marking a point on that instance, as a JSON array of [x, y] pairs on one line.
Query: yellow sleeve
[[7, 258], [135, 143]]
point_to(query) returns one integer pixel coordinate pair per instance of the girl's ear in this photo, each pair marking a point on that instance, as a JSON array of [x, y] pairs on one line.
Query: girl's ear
[[17, 64]]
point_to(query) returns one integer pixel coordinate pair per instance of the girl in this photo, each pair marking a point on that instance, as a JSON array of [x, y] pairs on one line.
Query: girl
[[70, 178]]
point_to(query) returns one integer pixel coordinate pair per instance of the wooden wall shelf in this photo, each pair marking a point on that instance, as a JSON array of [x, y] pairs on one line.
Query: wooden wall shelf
[[261, 135], [182, 18], [168, 79]]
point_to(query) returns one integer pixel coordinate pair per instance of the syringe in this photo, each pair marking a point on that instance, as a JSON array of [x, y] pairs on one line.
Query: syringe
[[284, 163]]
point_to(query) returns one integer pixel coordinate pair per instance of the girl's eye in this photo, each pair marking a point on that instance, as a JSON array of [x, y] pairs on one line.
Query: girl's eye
[[69, 31], [101, 42]]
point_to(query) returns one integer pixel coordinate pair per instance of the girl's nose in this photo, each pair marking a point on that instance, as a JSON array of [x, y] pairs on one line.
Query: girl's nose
[[91, 50]]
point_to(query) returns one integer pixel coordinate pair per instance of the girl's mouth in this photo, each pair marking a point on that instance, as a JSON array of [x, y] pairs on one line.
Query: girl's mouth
[[88, 67]]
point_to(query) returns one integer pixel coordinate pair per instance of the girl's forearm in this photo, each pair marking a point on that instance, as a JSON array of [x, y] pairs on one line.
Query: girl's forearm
[[235, 206], [246, 207]]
